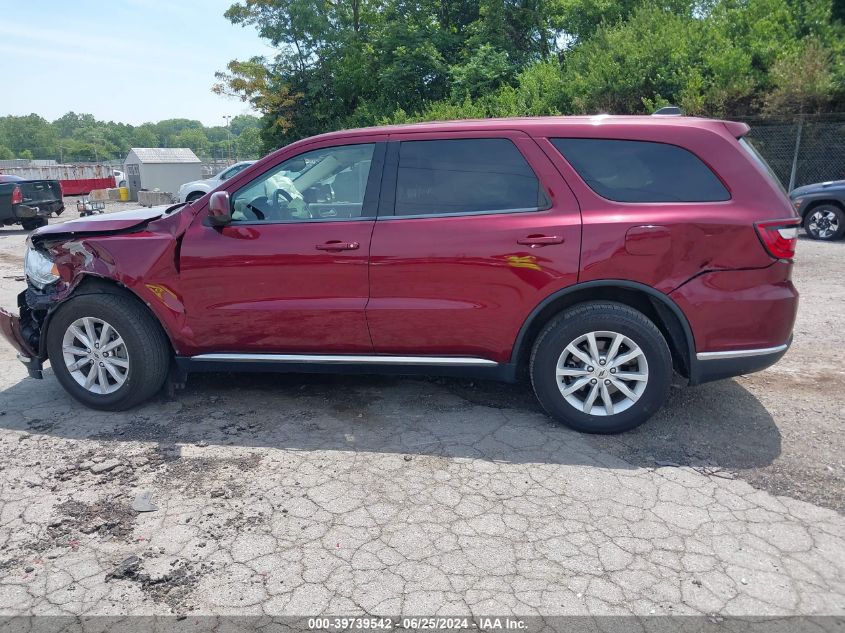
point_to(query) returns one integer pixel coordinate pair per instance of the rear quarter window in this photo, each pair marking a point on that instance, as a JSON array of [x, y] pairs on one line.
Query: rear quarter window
[[641, 171]]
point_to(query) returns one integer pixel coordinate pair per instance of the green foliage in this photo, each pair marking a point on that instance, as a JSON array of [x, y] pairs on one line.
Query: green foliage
[[484, 71], [378, 61], [357, 63], [80, 137], [249, 143]]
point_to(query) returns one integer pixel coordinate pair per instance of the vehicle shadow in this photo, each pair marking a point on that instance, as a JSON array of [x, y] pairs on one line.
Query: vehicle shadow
[[720, 425]]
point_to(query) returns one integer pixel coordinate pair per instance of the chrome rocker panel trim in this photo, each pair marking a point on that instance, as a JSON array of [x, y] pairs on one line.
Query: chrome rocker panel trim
[[344, 359], [709, 366], [742, 353]]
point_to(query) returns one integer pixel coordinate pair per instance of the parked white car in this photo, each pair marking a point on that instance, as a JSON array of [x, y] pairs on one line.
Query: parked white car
[[119, 178], [190, 191]]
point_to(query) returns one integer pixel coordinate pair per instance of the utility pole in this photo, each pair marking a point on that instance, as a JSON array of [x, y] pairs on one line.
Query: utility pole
[[228, 118]]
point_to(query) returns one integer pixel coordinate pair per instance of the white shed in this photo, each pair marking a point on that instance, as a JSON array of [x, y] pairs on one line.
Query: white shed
[[162, 168]]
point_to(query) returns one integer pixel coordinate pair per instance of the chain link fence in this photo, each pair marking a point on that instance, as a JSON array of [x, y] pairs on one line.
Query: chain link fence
[[803, 150]]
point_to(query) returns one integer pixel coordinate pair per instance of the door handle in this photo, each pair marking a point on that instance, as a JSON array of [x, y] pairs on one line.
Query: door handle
[[337, 245], [535, 241]]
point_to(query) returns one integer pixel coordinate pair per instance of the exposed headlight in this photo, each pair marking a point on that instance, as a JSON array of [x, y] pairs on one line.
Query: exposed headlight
[[39, 268]]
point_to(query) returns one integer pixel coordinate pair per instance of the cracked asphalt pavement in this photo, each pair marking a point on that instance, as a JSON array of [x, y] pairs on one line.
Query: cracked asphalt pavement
[[305, 495]]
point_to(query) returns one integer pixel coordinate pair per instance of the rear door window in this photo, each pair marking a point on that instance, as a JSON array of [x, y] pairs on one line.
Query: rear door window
[[462, 176], [641, 171]]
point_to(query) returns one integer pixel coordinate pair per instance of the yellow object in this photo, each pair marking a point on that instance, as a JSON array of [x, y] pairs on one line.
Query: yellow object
[[124, 194], [528, 261]]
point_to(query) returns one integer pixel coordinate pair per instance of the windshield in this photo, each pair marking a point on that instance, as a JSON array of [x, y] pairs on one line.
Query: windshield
[[231, 171], [758, 158]]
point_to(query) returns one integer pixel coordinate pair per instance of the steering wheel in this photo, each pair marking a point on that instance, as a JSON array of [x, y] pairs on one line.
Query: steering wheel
[[281, 194], [256, 210]]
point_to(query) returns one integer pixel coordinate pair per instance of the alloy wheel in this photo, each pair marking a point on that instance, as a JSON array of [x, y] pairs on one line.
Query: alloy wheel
[[602, 373], [95, 355], [823, 223]]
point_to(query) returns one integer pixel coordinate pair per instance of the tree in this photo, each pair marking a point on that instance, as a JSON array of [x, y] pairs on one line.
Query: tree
[[803, 81], [484, 71], [144, 136], [249, 143], [30, 133], [193, 138], [240, 123]]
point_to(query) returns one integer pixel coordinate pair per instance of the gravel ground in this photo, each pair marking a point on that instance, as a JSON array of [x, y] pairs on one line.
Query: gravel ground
[[298, 495]]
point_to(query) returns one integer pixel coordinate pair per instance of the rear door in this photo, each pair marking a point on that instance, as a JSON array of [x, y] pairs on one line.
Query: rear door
[[474, 230]]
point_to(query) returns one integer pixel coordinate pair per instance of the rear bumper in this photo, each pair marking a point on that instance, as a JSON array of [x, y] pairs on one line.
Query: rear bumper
[[741, 320], [710, 366], [10, 329], [41, 210]]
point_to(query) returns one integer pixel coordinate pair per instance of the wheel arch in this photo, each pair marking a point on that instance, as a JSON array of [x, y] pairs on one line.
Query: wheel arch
[[92, 285], [657, 306]]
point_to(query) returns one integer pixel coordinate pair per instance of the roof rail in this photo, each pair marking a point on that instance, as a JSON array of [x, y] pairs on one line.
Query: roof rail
[[669, 110]]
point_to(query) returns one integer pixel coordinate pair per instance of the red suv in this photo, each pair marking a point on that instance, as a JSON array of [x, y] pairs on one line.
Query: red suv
[[599, 254]]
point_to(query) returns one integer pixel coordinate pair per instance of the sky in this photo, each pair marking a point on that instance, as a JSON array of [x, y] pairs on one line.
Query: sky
[[129, 61]]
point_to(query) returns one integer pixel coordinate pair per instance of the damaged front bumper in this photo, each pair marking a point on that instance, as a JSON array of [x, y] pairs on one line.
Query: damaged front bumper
[[23, 332]]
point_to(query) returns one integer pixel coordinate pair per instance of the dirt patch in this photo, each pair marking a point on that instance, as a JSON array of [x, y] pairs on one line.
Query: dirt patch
[[104, 518], [207, 475], [171, 587]]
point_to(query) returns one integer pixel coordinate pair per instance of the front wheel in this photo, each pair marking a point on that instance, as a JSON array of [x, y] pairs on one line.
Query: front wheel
[[107, 351], [826, 223], [601, 368]]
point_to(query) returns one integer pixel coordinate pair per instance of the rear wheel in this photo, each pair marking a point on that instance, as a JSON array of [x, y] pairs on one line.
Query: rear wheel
[[30, 224], [196, 195], [107, 351], [601, 368], [825, 222]]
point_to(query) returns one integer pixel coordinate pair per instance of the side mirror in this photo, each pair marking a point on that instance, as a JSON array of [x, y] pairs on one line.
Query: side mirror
[[219, 209]]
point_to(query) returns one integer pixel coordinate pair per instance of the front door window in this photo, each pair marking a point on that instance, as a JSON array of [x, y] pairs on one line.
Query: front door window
[[323, 184]]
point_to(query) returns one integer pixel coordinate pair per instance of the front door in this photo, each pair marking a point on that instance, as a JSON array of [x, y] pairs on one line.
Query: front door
[[289, 274]]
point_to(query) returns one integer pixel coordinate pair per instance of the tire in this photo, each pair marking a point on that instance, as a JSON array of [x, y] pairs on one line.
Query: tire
[[825, 222], [606, 321], [30, 224], [122, 183], [145, 351], [196, 195]]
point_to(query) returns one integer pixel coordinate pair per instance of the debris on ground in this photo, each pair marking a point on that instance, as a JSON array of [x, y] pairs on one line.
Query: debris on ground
[[143, 502]]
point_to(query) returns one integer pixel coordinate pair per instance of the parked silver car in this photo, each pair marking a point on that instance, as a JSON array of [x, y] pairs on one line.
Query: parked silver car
[[190, 191]]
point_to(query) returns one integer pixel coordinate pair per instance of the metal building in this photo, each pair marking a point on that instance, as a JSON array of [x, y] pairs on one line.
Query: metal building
[[165, 169]]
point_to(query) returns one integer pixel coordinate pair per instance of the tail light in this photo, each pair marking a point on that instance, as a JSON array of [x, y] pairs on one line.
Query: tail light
[[779, 237], [17, 195], [61, 190]]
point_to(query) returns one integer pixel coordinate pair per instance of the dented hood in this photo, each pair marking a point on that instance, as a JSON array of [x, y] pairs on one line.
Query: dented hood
[[105, 223]]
